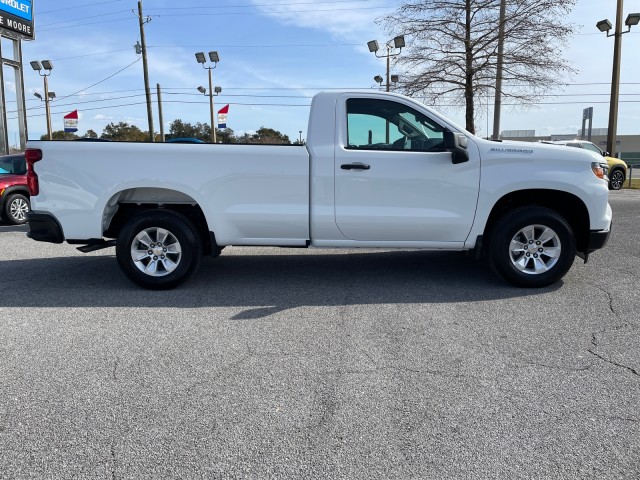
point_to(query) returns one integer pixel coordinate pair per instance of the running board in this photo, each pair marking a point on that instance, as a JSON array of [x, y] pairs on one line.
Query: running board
[[92, 247]]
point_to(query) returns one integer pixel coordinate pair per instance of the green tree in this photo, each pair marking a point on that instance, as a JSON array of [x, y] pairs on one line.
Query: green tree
[[60, 135], [90, 134], [226, 135], [265, 135], [123, 132], [201, 131], [180, 129]]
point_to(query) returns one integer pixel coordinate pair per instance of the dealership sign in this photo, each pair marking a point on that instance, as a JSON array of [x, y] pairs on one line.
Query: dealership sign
[[16, 17]]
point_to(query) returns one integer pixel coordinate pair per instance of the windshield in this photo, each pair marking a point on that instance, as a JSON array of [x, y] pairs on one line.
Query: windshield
[[13, 165], [592, 147]]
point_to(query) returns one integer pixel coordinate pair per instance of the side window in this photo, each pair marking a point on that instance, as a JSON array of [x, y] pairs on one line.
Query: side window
[[386, 125]]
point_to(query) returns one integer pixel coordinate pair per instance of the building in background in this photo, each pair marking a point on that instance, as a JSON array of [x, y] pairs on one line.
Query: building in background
[[627, 146]]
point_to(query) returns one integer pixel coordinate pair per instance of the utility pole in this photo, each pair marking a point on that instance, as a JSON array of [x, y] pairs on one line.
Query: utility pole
[[147, 90], [160, 113], [498, 95]]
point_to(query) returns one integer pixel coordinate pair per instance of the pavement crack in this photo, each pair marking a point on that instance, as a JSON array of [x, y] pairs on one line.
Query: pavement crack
[[609, 296], [594, 344], [115, 369], [581, 368], [112, 450], [624, 419]]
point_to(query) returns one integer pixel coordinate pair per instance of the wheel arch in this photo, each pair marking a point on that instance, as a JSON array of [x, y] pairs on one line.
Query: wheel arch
[[125, 204], [568, 205], [13, 189]]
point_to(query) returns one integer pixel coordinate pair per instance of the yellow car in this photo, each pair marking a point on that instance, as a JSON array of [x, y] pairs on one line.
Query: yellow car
[[617, 168]]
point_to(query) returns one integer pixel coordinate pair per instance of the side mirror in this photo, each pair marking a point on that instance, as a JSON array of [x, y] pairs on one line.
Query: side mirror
[[456, 143], [605, 154]]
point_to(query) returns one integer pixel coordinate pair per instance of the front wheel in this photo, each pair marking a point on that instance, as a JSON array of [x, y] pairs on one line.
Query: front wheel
[[532, 247], [158, 250], [616, 179]]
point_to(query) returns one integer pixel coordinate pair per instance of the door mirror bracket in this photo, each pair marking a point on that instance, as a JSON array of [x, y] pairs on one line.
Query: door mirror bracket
[[456, 143]]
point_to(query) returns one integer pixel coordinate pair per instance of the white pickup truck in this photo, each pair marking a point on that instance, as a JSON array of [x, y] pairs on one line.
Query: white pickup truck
[[379, 170]]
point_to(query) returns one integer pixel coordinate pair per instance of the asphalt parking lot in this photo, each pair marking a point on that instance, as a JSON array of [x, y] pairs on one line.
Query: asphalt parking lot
[[277, 363]]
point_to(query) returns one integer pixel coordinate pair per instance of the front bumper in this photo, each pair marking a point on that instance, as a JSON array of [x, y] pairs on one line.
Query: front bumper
[[44, 227], [597, 240]]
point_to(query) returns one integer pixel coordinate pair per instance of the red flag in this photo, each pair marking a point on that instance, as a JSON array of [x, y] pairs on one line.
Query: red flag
[[222, 117], [71, 121]]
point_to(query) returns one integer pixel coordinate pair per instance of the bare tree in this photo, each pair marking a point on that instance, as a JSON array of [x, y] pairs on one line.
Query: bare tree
[[453, 49]]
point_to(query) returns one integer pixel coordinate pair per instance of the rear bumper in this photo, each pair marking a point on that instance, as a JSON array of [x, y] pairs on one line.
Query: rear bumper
[[44, 227]]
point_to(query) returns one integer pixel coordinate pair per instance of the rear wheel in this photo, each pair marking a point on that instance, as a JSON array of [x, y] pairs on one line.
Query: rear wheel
[[616, 179], [158, 249], [532, 247], [16, 209]]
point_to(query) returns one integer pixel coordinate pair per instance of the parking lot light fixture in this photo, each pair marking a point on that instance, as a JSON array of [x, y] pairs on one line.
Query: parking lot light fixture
[[632, 19], [397, 43], [604, 26], [44, 68], [214, 58]]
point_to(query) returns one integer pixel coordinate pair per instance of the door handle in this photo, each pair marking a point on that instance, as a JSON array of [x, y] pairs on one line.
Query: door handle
[[355, 166]]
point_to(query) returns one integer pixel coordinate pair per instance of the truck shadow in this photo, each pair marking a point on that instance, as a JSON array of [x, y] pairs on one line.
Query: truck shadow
[[264, 284]]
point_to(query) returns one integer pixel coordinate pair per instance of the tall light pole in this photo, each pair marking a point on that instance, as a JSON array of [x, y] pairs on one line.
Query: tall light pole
[[47, 66], [605, 26], [50, 96], [396, 43], [214, 58]]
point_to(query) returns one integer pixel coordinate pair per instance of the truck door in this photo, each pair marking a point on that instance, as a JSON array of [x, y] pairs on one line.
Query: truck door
[[393, 179]]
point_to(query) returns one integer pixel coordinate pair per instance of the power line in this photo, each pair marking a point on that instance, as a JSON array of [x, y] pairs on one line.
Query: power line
[[44, 28], [250, 5], [62, 112], [103, 80], [282, 45], [92, 54], [78, 7]]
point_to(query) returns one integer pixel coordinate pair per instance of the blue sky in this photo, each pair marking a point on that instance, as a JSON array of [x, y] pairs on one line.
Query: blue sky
[[274, 55]]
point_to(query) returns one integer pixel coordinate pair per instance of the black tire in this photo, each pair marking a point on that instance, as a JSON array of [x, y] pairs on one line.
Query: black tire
[[16, 208], [169, 259], [532, 247], [616, 179]]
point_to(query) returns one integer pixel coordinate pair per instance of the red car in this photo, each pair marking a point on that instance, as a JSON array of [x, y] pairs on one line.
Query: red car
[[14, 192]]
